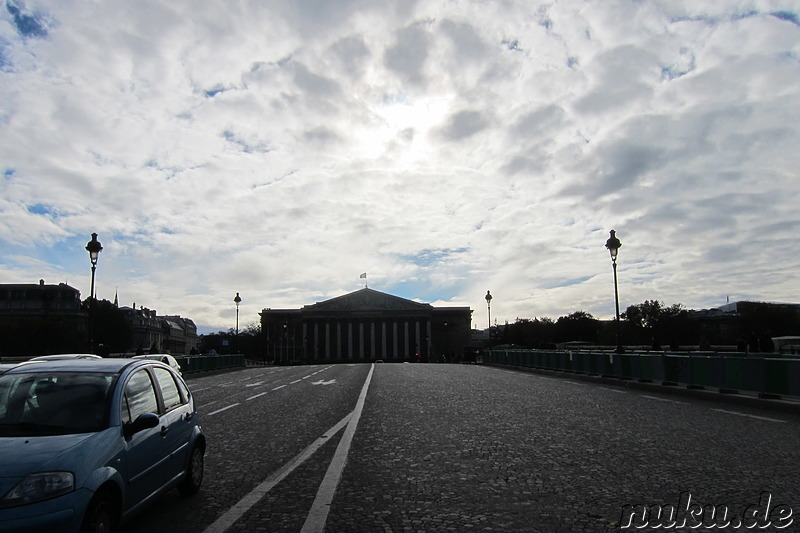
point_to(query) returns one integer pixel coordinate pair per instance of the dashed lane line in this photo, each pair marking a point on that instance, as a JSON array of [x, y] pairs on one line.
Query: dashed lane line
[[231, 406], [765, 418], [279, 387], [661, 399], [256, 396]]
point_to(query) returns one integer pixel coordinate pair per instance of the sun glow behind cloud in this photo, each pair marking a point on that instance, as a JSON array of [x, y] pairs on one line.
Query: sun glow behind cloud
[[279, 150]]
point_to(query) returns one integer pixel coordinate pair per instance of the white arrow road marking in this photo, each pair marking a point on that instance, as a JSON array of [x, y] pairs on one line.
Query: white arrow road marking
[[320, 382]]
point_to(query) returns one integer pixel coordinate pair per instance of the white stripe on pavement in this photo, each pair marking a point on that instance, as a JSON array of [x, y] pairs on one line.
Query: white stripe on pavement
[[751, 416], [231, 406], [254, 397], [242, 506], [660, 399], [315, 521]]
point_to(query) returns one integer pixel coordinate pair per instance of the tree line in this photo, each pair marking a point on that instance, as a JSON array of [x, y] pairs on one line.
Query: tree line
[[658, 326]]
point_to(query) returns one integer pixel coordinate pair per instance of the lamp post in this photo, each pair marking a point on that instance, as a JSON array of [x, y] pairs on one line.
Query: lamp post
[[613, 246], [237, 300], [94, 248], [489, 308]]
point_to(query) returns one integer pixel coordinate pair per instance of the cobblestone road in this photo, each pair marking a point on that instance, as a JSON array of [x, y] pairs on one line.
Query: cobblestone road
[[473, 448], [455, 448]]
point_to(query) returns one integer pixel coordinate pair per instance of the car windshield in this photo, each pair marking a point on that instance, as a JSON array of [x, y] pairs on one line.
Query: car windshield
[[53, 403]]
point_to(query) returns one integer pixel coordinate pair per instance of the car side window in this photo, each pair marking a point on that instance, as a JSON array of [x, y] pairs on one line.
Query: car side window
[[169, 391], [185, 394], [139, 398]]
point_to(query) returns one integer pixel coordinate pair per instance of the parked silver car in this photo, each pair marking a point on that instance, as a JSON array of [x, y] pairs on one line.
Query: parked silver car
[[164, 358]]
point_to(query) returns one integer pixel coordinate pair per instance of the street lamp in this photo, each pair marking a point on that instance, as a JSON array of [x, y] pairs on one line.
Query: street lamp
[[94, 248], [613, 246], [489, 308], [237, 299]]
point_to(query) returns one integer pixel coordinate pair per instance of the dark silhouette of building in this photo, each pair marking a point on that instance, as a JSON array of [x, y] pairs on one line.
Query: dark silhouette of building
[[163, 334], [366, 325], [40, 319], [37, 319]]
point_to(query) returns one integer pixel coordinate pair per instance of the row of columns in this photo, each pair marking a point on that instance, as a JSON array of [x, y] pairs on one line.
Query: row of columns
[[367, 339]]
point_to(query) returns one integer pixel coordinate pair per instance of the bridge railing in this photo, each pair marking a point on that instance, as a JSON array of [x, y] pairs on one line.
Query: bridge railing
[[201, 363], [765, 374]]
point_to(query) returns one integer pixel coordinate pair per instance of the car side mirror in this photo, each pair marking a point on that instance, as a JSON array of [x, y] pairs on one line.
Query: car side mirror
[[142, 422]]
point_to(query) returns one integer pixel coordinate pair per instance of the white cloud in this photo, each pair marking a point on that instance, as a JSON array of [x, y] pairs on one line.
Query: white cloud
[[279, 150]]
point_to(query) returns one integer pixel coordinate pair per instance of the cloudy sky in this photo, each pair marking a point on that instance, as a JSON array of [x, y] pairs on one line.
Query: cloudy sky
[[280, 149]]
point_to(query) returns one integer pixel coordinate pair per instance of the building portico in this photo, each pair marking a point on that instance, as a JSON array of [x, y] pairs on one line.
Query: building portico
[[366, 325]]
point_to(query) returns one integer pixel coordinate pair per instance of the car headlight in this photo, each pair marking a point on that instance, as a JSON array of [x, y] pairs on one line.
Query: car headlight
[[39, 486]]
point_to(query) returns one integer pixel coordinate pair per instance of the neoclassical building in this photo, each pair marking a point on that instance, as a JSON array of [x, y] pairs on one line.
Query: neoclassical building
[[366, 325]]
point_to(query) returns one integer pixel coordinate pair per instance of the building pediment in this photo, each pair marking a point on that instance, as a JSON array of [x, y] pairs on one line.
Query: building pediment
[[367, 300]]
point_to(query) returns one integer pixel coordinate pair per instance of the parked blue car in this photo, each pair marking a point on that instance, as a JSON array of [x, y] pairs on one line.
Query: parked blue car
[[85, 443]]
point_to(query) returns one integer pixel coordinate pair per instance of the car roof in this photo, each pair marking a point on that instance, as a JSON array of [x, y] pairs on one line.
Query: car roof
[[66, 356], [108, 365]]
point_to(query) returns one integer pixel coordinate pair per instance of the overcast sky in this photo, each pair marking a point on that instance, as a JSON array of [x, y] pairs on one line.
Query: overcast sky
[[281, 149]]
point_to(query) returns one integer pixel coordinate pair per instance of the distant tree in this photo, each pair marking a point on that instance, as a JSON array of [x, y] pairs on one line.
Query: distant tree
[[531, 333], [577, 326], [249, 341], [653, 323], [111, 328]]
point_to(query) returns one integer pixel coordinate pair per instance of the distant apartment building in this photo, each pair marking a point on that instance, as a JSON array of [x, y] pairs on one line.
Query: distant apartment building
[[39, 318], [180, 334], [158, 334], [746, 323]]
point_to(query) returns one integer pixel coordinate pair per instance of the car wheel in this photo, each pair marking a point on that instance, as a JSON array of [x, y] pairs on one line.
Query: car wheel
[[194, 473], [101, 515]]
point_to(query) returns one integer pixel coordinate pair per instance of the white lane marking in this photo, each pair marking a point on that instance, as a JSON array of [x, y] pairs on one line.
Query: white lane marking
[[198, 390], [279, 387], [256, 384], [308, 376], [321, 382], [318, 515], [660, 399], [295, 381], [766, 418], [231, 406], [254, 397], [613, 390], [242, 506]]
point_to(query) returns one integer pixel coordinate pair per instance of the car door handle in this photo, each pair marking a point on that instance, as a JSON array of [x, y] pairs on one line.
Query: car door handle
[[164, 431], [188, 417]]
